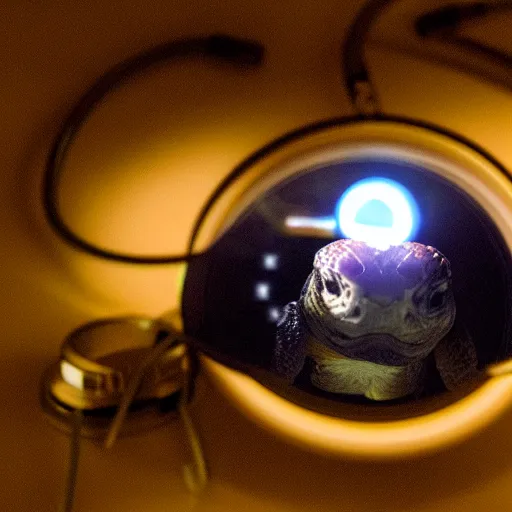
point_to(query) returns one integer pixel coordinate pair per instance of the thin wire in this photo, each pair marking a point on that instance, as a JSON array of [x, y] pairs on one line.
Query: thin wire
[[449, 18], [74, 457], [442, 25], [195, 473], [498, 79], [241, 53], [486, 51], [165, 342]]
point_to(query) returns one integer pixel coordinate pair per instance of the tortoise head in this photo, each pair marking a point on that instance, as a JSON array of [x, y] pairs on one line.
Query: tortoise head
[[358, 295]]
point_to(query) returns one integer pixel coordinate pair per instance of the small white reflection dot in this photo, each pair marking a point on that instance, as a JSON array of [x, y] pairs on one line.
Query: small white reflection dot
[[273, 314], [270, 261], [262, 291]]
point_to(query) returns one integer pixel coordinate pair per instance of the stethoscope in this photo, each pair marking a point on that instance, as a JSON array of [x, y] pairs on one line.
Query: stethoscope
[[441, 24]]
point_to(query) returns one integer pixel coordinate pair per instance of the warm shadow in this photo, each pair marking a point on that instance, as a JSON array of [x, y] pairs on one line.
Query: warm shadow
[[247, 457]]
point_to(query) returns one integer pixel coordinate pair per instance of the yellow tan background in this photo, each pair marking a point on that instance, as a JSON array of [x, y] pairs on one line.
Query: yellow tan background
[[184, 126]]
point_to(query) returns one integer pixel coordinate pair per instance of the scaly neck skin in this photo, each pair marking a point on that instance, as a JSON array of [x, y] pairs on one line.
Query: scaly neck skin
[[338, 374]]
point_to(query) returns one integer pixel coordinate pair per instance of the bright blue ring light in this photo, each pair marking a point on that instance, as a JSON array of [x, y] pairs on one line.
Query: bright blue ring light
[[374, 194]]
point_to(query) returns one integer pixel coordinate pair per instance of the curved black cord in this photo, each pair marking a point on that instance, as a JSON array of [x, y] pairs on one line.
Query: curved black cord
[[319, 126], [355, 71], [245, 53], [239, 52], [443, 23]]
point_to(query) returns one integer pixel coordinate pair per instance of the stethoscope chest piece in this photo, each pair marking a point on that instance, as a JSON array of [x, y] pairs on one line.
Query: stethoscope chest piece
[[97, 367]]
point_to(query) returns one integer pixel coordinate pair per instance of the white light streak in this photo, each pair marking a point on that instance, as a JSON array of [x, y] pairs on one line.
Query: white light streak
[[321, 223]]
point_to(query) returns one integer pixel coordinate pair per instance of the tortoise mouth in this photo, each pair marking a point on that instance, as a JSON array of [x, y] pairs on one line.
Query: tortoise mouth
[[383, 348]]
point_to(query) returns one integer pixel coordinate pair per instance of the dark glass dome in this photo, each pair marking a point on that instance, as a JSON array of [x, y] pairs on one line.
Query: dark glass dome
[[235, 292]]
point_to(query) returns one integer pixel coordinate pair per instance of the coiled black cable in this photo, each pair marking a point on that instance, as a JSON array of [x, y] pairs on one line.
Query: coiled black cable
[[441, 24], [241, 53]]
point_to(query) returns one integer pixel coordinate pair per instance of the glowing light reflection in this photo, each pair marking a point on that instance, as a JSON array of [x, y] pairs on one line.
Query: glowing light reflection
[[262, 291], [273, 314], [270, 261], [373, 194], [72, 375], [320, 223]]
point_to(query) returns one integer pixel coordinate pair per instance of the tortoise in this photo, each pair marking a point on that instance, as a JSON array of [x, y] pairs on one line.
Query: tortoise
[[369, 319]]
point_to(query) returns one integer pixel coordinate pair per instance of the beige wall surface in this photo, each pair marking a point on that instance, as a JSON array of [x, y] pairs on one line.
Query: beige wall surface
[[186, 125]]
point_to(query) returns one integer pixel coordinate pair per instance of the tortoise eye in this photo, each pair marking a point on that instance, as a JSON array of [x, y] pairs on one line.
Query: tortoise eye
[[437, 299], [332, 287]]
